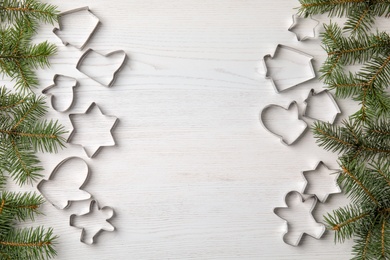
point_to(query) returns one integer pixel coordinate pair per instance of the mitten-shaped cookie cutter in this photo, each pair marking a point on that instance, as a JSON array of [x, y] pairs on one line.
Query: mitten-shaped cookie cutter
[[281, 137], [115, 72]]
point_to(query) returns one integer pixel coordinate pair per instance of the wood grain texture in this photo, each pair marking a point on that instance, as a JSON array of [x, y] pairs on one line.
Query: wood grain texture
[[194, 175]]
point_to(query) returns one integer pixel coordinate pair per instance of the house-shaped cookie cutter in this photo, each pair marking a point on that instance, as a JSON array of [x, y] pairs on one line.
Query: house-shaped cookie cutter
[[60, 25]]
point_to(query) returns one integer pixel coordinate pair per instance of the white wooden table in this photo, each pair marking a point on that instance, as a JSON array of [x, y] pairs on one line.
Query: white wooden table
[[193, 174]]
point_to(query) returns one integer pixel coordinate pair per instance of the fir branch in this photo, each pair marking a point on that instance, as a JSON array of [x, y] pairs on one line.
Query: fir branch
[[30, 243], [20, 206], [23, 133], [31, 10], [360, 13], [344, 221]]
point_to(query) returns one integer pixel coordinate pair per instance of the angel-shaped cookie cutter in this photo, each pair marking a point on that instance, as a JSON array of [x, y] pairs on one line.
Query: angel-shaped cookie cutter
[[60, 25], [93, 205], [298, 240]]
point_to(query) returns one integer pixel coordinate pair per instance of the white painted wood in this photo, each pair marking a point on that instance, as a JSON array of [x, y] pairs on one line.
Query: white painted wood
[[194, 175]]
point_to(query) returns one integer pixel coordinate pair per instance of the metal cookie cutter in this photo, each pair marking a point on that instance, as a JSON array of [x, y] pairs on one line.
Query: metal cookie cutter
[[92, 149], [54, 185], [297, 235], [330, 99], [279, 135], [74, 11], [295, 79], [92, 232], [323, 173], [297, 21], [56, 78], [115, 71]]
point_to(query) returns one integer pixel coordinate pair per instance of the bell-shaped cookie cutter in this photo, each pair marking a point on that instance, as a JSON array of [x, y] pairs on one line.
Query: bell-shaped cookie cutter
[[92, 206], [54, 172], [60, 25], [268, 76], [282, 139], [288, 225], [52, 97], [115, 73]]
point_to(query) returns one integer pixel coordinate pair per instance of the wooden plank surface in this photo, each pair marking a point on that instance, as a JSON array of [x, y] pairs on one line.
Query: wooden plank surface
[[193, 174]]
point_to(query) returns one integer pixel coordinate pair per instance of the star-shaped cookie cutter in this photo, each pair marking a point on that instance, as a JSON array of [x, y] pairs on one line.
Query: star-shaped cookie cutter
[[296, 19], [90, 108], [336, 185]]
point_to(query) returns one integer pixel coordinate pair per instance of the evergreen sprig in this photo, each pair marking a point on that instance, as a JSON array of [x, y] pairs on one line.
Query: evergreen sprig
[[23, 133], [362, 141], [23, 129], [360, 13], [18, 57]]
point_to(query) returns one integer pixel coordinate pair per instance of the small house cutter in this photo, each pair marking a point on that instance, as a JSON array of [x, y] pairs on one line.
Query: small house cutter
[[294, 103], [296, 243], [268, 76], [60, 25], [115, 73], [296, 19], [94, 205], [52, 98], [331, 98], [54, 172]]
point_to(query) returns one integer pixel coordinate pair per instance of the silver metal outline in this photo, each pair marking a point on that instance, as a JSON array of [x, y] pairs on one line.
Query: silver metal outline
[[93, 104], [307, 182], [114, 75], [311, 211], [269, 56], [44, 91], [53, 173], [86, 8], [91, 206], [295, 22], [293, 103], [313, 93]]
